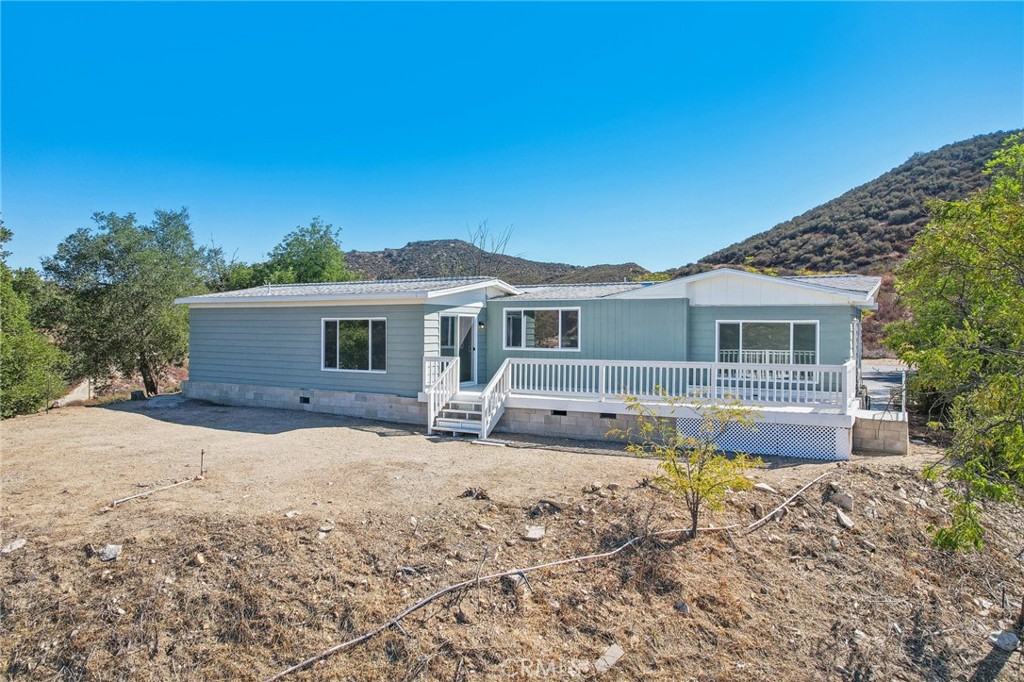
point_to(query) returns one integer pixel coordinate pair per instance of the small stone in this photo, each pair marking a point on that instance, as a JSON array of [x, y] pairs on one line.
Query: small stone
[[774, 539], [921, 502], [860, 637], [593, 487], [843, 500], [413, 521], [509, 542], [844, 520], [603, 493], [682, 607], [292, 514], [14, 546], [199, 559], [326, 528], [868, 545], [321, 535], [758, 511], [554, 606], [484, 527], [109, 553], [836, 544], [1005, 640], [609, 658], [120, 611], [152, 562], [581, 522], [901, 492], [613, 486], [765, 488], [534, 533], [833, 487]]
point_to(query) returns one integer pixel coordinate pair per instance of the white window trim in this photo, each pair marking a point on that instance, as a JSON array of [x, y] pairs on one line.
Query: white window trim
[[369, 321], [817, 334], [504, 330]]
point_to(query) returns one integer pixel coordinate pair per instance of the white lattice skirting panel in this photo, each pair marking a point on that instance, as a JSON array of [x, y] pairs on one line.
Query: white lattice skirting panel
[[788, 440]]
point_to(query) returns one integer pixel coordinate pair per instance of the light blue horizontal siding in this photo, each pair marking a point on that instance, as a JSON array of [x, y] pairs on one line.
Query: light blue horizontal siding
[[835, 327], [653, 329], [281, 347]]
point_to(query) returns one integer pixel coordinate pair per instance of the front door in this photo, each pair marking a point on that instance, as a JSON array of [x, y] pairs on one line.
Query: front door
[[458, 337]]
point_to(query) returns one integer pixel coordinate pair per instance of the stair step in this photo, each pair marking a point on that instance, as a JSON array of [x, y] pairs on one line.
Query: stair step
[[456, 425], [469, 414], [464, 405]]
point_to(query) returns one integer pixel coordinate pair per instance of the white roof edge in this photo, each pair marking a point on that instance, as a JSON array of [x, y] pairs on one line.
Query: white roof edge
[[866, 299], [384, 297], [228, 300]]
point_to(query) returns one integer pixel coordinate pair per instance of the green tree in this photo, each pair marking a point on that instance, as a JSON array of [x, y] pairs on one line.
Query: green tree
[[692, 467], [964, 285], [307, 254], [120, 280], [30, 365]]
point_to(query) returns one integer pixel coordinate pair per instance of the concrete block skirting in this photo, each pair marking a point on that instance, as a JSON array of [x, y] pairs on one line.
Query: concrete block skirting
[[881, 435], [379, 406], [576, 425]]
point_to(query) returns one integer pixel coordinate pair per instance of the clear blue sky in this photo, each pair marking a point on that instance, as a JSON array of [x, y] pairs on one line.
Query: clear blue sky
[[653, 133]]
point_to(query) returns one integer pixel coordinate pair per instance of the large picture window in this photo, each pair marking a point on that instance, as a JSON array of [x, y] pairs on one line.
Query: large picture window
[[355, 345], [780, 343], [542, 329]]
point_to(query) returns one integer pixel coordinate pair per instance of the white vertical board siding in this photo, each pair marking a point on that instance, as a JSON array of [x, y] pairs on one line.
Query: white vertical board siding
[[834, 327], [742, 291], [281, 346]]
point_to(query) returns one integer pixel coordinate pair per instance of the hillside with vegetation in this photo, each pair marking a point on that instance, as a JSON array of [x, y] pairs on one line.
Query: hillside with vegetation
[[871, 227], [458, 258]]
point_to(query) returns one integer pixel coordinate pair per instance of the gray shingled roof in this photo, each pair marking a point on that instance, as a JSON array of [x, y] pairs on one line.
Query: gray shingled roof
[[364, 288], [573, 291], [859, 283]]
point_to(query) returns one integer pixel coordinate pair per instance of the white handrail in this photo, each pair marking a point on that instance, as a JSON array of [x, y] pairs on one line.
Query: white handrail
[[493, 398], [441, 391]]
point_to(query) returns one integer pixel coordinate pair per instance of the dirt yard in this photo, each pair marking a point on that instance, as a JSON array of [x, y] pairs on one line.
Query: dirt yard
[[309, 529]]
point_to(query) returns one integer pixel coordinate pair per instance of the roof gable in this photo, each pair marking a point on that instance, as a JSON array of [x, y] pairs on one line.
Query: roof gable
[[726, 286]]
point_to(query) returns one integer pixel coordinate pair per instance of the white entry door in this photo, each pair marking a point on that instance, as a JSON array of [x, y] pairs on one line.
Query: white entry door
[[458, 339]]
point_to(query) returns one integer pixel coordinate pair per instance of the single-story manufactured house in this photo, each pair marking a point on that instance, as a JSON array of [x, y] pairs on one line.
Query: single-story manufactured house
[[476, 355]]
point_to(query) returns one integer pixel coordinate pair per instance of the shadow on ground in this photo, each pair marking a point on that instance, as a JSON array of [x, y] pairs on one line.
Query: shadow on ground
[[259, 420]]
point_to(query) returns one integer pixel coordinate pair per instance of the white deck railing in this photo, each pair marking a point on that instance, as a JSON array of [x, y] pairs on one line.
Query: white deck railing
[[775, 357], [493, 397], [824, 386], [444, 373]]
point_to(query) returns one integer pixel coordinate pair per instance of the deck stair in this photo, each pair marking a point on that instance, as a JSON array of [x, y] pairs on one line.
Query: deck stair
[[462, 414]]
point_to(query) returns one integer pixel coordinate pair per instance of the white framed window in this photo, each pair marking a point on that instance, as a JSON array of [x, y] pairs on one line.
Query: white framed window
[[542, 329], [354, 344], [778, 342]]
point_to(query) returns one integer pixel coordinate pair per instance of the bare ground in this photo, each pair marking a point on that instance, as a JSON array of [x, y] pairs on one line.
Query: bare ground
[[785, 602]]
